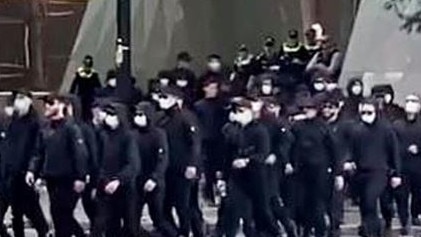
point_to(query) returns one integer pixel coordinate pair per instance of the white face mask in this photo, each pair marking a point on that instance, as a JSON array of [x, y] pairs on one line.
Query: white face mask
[[256, 106], [368, 118], [245, 117], [182, 83], [112, 121], [412, 107], [232, 117], [214, 66], [319, 86], [357, 90], [101, 116], [8, 110], [331, 86], [164, 81], [22, 105], [140, 120], [267, 89], [112, 82], [167, 103], [388, 98]]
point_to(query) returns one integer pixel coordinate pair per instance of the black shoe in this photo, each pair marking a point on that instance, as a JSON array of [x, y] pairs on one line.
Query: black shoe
[[405, 230], [416, 221]]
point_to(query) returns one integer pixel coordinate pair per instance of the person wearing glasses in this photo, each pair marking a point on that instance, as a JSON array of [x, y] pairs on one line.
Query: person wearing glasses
[[374, 157]]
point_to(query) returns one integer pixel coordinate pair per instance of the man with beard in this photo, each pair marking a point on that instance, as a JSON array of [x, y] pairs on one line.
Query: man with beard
[[184, 150], [250, 147], [212, 116], [355, 91], [340, 130], [408, 132], [60, 159], [314, 154], [278, 162], [85, 85], [17, 150], [374, 154], [153, 150], [118, 163]]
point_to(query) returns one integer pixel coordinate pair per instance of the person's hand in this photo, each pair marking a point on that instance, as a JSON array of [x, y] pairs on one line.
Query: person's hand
[[149, 185], [395, 182], [270, 160], [79, 186], [191, 172], [349, 166], [240, 163], [413, 149], [274, 68], [289, 169], [112, 187], [339, 183], [30, 178]]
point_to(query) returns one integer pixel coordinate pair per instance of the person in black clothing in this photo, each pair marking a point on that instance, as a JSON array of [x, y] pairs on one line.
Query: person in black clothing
[[244, 65], [267, 60], [85, 85], [110, 87], [73, 111], [278, 162], [17, 150], [355, 90], [293, 54], [215, 70], [327, 62], [314, 152], [184, 151], [60, 158], [374, 153], [388, 109], [212, 116], [408, 131], [153, 150], [340, 129], [318, 86], [312, 45], [245, 172], [118, 163]]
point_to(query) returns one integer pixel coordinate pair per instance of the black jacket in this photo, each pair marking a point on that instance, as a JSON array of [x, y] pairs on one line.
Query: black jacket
[[314, 146], [408, 134], [18, 144], [61, 152], [212, 116], [184, 142], [153, 150], [375, 148]]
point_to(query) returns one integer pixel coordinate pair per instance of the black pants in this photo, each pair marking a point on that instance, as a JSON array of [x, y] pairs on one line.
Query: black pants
[[313, 184], [178, 195], [401, 196], [196, 217], [88, 202], [212, 163], [25, 201], [116, 213], [335, 206], [370, 185], [63, 200], [414, 182], [250, 184], [155, 201], [4, 205]]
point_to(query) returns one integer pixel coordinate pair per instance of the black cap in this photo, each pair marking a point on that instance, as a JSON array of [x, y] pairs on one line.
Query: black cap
[[172, 90], [293, 34], [49, 99], [382, 89], [214, 56], [184, 56], [270, 41], [110, 109]]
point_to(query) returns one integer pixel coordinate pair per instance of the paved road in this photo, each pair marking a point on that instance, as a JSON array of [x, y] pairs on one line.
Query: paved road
[[348, 230]]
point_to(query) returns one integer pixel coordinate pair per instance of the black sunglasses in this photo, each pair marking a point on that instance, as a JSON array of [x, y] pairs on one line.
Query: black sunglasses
[[367, 112]]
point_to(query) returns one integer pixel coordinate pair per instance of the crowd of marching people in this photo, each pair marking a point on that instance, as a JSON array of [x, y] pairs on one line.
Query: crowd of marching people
[[278, 143]]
